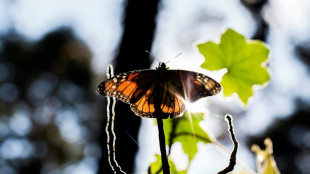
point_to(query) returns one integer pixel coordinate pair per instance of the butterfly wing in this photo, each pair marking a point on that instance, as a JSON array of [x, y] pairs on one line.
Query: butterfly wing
[[180, 85], [128, 87], [171, 104], [135, 88], [192, 86], [167, 102], [145, 106]]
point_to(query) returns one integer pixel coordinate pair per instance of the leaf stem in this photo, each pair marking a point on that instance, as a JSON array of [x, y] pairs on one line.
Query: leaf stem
[[162, 144]]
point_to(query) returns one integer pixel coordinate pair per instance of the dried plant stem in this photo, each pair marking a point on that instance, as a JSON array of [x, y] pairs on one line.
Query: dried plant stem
[[225, 151], [108, 134], [232, 161], [110, 73], [114, 137]]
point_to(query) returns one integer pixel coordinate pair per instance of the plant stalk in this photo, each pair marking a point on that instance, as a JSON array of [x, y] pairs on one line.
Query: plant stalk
[[162, 144]]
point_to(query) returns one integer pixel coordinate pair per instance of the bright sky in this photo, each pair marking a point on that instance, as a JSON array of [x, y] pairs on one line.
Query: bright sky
[[97, 22]]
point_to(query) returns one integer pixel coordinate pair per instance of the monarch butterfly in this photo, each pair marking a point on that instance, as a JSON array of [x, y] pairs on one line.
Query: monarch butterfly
[[159, 92]]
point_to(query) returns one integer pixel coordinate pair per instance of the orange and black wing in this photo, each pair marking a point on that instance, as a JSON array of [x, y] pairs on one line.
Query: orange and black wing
[[192, 86], [171, 104], [162, 97], [145, 106], [128, 87], [135, 88], [181, 85]]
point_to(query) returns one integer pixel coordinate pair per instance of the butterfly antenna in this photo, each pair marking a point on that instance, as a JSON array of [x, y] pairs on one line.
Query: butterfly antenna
[[152, 56], [174, 58]]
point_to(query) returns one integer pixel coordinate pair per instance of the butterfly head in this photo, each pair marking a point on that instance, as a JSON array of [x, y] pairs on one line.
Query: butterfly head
[[162, 65]]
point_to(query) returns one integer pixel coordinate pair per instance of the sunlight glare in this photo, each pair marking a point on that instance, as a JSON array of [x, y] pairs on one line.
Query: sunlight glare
[[191, 123], [198, 106]]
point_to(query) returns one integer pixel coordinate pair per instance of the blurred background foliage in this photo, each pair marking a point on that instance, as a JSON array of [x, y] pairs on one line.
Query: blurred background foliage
[[47, 119], [53, 54]]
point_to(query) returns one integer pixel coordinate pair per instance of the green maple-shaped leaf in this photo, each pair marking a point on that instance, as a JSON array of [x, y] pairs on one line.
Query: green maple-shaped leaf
[[187, 131], [245, 61]]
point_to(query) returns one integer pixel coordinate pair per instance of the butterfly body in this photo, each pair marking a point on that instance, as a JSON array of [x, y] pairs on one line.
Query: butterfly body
[[160, 92]]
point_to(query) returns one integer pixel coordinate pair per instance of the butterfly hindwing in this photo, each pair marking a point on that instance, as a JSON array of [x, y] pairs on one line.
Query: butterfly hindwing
[[170, 105], [145, 106]]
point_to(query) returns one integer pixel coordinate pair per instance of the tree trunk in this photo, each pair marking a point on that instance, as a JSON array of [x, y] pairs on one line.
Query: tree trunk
[[139, 27]]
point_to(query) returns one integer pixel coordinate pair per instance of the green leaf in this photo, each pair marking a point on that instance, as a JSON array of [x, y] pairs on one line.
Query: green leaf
[[157, 166], [187, 131], [245, 61]]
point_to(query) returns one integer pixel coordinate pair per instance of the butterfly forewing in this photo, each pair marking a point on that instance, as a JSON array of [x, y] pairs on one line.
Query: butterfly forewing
[[127, 87], [193, 86]]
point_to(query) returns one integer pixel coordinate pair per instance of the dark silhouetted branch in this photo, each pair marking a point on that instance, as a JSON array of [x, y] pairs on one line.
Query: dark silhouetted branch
[[233, 156]]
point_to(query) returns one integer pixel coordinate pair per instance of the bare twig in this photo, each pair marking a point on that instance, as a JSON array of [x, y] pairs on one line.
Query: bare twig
[[225, 151], [110, 73], [232, 161]]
